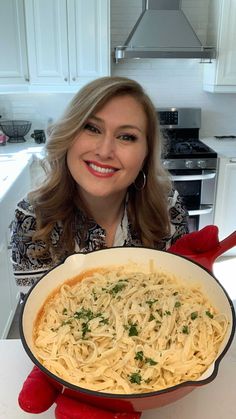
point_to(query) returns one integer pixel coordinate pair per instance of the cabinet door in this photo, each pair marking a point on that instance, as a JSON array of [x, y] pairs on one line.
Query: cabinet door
[[225, 217], [5, 294], [89, 39], [227, 54], [13, 62], [220, 76], [46, 24]]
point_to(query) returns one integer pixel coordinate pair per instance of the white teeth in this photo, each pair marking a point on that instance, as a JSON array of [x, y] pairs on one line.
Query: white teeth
[[101, 169]]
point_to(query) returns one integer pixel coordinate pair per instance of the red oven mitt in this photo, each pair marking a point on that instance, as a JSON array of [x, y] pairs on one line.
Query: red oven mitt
[[38, 394], [197, 242]]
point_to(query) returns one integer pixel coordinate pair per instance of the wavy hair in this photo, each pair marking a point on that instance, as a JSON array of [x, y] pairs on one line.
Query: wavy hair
[[56, 199]]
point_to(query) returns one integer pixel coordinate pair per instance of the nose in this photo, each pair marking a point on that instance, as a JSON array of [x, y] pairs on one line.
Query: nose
[[105, 147]]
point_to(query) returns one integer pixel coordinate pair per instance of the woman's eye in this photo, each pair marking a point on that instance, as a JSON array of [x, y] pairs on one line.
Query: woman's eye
[[92, 128], [128, 137]]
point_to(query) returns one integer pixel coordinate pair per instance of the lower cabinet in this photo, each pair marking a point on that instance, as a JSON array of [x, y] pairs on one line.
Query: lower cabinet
[[9, 292], [6, 309], [225, 217]]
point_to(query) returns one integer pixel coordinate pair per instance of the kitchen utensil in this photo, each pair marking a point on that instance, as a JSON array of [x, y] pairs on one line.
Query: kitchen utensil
[[15, 130], [180, 267], [39, 136]]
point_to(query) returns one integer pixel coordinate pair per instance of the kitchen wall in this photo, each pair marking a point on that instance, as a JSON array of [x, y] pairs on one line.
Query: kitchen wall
[[176, 82], [169, 82], [39, 108]]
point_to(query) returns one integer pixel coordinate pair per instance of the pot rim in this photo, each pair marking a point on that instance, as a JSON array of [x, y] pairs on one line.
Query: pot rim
[[100, 394]]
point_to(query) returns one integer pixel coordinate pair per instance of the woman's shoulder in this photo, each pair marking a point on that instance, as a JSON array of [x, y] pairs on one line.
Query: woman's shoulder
[[25, 207]]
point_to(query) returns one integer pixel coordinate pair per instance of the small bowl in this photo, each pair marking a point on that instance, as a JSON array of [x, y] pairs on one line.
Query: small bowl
[[15, 130]]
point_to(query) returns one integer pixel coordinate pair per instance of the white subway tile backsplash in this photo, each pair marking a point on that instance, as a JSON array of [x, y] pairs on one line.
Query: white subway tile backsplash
[[169, 82]]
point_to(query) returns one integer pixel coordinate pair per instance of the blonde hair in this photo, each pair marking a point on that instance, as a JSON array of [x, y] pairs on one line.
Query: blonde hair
[[56, 199]]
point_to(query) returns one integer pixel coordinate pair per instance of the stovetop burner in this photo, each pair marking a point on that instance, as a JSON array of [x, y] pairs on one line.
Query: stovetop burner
[[187, 148]]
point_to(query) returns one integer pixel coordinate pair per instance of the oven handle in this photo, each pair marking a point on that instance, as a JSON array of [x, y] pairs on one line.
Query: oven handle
[[204, 209], [203, 176]]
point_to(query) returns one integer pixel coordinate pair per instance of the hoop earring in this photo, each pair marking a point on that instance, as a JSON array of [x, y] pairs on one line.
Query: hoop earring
[[141, 186]]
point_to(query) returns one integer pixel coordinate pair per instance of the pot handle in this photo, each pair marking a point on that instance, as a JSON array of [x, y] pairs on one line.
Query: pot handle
[[208, 258]]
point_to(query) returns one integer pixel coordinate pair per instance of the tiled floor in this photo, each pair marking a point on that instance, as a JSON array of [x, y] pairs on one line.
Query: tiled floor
[[224, 270]]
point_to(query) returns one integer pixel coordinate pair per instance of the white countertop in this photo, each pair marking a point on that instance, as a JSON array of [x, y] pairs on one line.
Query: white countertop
[[224, 147], [212, 401], [14, 157], [28, 147]]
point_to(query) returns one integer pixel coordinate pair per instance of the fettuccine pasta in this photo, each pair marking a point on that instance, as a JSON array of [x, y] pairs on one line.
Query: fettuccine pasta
[[123, 332]]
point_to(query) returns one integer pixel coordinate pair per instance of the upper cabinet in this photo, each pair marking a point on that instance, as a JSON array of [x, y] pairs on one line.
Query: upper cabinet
[[68, 41], [220, 76], [13, 63], [46, 27]]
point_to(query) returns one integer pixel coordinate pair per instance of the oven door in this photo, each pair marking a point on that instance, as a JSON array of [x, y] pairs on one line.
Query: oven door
[[197, 190]]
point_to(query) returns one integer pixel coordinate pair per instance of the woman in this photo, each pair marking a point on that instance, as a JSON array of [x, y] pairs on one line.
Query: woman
[[104, 186]]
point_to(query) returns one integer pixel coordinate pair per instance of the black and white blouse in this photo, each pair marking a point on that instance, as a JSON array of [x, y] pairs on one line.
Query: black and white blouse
[[27, 268]]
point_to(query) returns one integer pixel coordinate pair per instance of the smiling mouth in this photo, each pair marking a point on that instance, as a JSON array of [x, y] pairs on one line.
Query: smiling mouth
[[100, 169]]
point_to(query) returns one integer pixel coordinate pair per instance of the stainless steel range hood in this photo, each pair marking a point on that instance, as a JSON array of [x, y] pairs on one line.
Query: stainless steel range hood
[[163, 31]]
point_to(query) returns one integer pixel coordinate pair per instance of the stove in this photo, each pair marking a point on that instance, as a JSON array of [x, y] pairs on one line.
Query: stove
[[182, 148], [192, 164]]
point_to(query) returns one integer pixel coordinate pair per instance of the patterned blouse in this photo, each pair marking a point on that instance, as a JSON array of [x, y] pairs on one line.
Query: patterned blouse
[[28, 268]]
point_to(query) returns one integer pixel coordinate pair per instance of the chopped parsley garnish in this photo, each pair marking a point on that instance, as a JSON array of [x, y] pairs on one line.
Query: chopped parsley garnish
[[150, 361], [139, 356], [194, 315], [135, 378], [84, 314], [117, 288], [167, 313], [175, 293], [133, 331], [64, 311], [177, 304], [104, 321], [151, 302], [151, 318], [159, 311], [185, 330], [208, 313], [85, 329], [87, 315]]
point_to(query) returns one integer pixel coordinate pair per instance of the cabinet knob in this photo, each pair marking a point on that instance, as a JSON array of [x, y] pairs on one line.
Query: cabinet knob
[[74, 78], [65, 79], [27, 79]]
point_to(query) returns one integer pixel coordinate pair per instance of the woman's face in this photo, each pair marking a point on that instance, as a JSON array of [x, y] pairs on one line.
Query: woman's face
[[109, 152]]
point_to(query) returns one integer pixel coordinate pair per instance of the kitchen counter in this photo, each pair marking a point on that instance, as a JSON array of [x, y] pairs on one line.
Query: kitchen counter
[[18, 149], [213, 401], [14, 157], [223, 147]]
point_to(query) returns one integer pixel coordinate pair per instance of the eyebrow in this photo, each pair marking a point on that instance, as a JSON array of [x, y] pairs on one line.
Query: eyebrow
[[126, 126]]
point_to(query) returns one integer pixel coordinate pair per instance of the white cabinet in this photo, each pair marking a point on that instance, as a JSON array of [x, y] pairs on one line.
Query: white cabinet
[[9, 292], [225, 217], [13, 62], [220, 76], [68, 41], [5, 294]]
